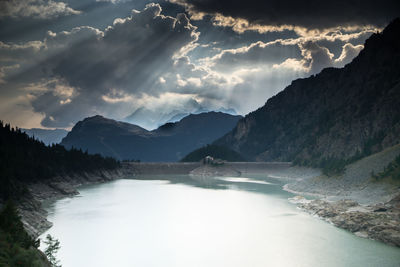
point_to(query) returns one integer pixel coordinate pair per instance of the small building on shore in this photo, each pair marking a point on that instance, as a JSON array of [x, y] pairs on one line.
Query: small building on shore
[[208, 160]]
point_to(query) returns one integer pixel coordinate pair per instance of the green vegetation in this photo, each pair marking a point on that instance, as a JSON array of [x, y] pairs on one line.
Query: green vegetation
[[332, 166], [24, 159], [391, 171], [17, 248], [220, 152], [53, 245]]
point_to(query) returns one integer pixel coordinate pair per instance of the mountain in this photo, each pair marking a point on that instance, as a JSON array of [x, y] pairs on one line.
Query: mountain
[[149, 119], [169, 142], [178, 117], [332, 118], [46, 136], [152, 118]]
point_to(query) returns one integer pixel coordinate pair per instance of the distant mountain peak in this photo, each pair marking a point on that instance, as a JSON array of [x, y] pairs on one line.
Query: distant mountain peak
[[96, 117], [195, 122], [152, 119], [169, 142]]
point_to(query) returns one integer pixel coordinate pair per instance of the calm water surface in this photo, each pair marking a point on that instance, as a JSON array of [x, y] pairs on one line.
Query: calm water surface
[[182, 221]]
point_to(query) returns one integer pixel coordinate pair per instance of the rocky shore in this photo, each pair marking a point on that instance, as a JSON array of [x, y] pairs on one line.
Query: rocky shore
[[362, 206], [379, 222], [34, 216], [356, 201]]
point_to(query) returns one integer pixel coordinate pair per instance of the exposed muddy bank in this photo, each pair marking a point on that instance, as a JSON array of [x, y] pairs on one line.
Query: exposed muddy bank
[[355, 201], [336, 202], [34, 216], [379, 221]]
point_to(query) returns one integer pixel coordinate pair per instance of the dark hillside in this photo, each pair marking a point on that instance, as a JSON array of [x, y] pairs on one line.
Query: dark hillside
[[170, 142], [332, 118], [24, 159]]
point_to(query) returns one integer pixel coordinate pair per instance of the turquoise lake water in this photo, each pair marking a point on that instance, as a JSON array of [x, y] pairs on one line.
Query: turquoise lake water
[[184, 221]]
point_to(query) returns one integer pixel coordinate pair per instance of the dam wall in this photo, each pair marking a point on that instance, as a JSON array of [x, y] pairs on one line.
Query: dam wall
[[136, 168]]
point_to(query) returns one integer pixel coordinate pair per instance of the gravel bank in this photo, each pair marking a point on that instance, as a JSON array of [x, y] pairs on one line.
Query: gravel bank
[[355, 201], [379, 222]]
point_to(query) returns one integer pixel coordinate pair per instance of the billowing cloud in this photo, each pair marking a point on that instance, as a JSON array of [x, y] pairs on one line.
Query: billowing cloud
[[38, 9], [129, 57], [306, 53], [255, 54], [316, 57], [348, 53], [289, 13], [148, 67]]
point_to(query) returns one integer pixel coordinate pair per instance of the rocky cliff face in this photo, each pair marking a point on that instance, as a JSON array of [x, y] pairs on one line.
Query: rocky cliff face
[[337, 114]]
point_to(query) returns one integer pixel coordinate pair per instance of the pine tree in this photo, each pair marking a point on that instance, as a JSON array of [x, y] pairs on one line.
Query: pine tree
[[53, 245]]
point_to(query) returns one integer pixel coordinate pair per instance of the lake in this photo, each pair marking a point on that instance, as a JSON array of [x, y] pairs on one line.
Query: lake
[[186, 221]]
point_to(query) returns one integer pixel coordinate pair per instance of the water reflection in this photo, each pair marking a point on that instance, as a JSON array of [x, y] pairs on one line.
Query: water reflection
[[202, 221], [258, 183]]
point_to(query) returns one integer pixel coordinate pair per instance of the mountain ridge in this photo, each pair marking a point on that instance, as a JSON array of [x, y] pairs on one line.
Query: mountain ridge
[[337, 115], [169, 142]]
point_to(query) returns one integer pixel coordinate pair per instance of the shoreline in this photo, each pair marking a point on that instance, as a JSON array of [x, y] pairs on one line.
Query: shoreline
[[34, 216], [377, 220], [354, 201], [31, 207]]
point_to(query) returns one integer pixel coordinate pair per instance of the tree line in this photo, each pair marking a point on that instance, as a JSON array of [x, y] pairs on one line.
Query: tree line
[[24, 159]]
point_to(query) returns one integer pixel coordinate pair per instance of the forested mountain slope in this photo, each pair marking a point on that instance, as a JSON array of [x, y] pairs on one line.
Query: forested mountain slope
[[332, 118]]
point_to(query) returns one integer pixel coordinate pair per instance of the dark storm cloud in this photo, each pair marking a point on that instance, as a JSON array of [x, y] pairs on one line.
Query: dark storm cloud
[[91, 69], [314, 14], [131, 53], [20, 23], [155, 60]]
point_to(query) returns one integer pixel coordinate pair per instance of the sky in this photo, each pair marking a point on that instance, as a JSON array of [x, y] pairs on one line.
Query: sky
[[146, 62]]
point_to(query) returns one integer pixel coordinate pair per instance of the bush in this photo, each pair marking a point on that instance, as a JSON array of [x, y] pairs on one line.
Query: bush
[[391, 171], [53, 245], [17, 248]]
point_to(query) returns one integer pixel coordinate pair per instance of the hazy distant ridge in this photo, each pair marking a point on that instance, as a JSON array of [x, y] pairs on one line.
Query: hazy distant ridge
[[46, 136]]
